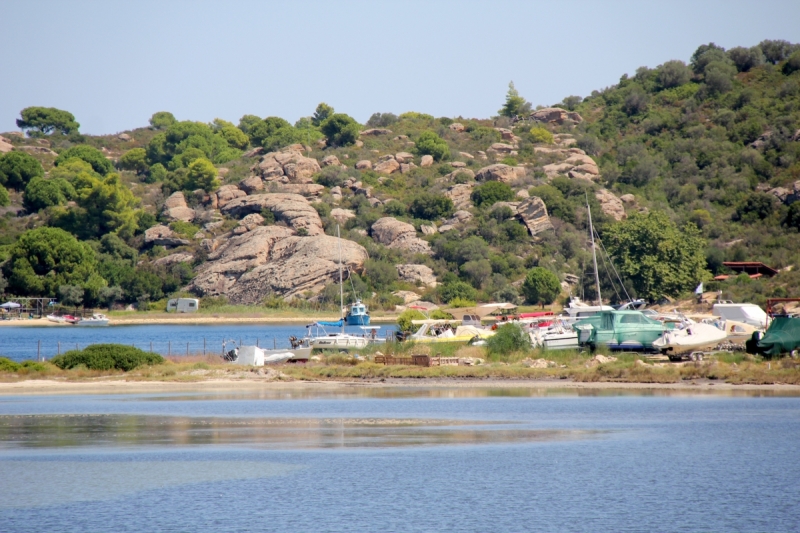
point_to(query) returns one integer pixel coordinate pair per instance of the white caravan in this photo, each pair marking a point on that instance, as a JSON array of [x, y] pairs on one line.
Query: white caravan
[[183, 305]]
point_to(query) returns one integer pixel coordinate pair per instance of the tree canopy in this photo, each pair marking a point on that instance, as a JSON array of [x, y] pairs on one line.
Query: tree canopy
[[429, 143], [162, 120], [43, 259], [41, 193], [340, 129], [659, 258], [541, 286], [87, 153], [45, 120], [515, 104], [18, 168]]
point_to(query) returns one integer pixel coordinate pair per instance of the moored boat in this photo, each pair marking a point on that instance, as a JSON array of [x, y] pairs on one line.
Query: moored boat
[[693, 337], [357, 315], [97, 319]]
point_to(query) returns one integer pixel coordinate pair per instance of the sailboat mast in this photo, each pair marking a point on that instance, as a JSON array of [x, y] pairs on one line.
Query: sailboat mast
[[594, 255], [341, 283]]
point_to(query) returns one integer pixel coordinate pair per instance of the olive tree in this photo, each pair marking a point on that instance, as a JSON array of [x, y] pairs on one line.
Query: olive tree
[[541, 286]]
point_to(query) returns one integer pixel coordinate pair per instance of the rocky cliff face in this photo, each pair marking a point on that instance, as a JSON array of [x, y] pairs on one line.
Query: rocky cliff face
[[291, 208], [272, 260]]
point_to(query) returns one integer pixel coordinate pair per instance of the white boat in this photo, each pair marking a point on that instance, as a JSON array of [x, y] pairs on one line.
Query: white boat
[[443, 331], [693, 337], [96, 320], [255, 356], [746, 313], [557, 336], [58, 319]]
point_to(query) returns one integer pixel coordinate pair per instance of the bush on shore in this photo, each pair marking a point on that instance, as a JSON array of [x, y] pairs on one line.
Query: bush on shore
[[107, 357]]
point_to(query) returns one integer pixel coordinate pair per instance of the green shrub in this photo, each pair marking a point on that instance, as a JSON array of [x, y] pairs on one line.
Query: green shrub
[[405, 318], [7, 365], [492, 192], [508, 339], [541, 286], [539, 134], [107, 357], [457, 290], [431, 206], [17, 169], [90, 154], [340, 129], [428, 143]]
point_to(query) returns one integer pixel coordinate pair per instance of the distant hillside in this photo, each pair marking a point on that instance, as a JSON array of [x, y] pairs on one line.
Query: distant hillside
[[683, 166]]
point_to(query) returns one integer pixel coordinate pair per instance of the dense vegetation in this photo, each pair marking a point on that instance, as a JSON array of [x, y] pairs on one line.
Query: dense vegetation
[[107, 357], [710, 151]]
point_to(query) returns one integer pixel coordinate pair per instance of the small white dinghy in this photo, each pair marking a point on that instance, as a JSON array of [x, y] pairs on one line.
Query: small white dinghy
[[255, 356], [693, 337]]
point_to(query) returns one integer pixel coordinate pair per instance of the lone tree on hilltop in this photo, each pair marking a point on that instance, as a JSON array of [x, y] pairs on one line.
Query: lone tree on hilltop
[[515, 104], [44, 120]]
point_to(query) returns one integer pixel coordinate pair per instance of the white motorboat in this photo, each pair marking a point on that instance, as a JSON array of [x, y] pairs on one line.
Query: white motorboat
[[255, 356], [96, 320], [443, 331], [58, 319], [693, 337], [745, 313], [556, 336]]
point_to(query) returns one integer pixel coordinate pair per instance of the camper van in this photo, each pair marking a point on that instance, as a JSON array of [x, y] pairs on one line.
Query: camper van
[[183, 305]]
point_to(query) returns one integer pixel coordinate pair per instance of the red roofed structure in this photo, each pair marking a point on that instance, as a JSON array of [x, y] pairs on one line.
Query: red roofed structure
[[753, 269]]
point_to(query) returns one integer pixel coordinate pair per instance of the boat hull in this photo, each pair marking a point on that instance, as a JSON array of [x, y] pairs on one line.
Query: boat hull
[[357, 320]]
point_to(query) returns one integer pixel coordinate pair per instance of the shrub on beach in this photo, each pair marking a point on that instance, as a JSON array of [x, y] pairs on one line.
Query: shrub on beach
[[509, 339], [107, 357]]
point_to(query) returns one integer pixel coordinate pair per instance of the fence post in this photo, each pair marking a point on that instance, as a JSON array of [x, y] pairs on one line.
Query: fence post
[[256, 342], [169, 348], [204, 345], [39, 351], [187, 348], [151, 346], [59, 347], [274, 343]]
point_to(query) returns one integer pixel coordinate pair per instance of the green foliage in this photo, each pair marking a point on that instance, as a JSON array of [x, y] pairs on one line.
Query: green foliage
[[45, 120], [235, 137], [541, 286], [41, 193], [792, 218], [746, 58], [538, 134], [382, 120], [321, 114], [5, 199], [792, 64], [248, 122], [340, 129], [491, 192], [395, 208], [202, 175], [157, 173], [457, 289], [508, 338], [162, 120], [183, 142], [135, 160], [110, 295], [515, 104], [431, 144], [7, 365], [107, 357], [757, 206], [43, 259], [673, 74], [70, 295], [380, 275], [87, 153], [17, 169], [405, 318], [656, 256], [431, 206]]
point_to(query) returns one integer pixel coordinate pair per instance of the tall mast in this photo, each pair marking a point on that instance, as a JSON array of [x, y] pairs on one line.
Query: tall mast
[[341, 283], [594, 254]]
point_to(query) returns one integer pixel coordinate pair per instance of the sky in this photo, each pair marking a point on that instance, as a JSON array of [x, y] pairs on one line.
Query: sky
[[113, 63]]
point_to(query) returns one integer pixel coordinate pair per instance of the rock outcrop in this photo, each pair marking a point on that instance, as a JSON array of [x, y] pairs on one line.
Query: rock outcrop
[[556, 115], [330, 160], [610, 204], [787, 195], [364, 164], [290, 208], [175, 208], [271, 260], [376, 131], [225, 194], [458, 218], [387, 166], [417, 274], [426, 161], [5, 145], [460, 194], [172, 259], [287, 166], [342, 215], [251, 184], [500, 172], [457, 127], [163, 236], [533, 214], [400, 235]]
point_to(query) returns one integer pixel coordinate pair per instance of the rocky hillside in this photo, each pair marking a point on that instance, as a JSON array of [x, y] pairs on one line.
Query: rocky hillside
[[699, 160]]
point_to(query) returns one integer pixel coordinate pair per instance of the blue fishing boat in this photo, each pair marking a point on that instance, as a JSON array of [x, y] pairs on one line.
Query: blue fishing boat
[[357, 315]]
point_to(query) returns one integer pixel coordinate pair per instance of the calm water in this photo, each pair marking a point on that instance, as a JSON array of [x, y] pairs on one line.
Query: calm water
[[19, 343], [399, 460]]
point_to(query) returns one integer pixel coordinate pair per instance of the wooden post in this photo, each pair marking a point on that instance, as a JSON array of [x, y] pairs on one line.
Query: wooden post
[[204, 345], [39, 351], [59, 347], [169, 348], [151, 346], [274, 343], [187, 348], [256, 342]]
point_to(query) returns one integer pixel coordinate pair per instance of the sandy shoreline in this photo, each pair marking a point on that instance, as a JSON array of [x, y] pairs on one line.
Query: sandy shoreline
[[186, 320], [120, 386]]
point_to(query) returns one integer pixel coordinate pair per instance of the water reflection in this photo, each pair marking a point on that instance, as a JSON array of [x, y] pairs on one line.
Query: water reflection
[[137, 431], [53, 482], [347, 392]]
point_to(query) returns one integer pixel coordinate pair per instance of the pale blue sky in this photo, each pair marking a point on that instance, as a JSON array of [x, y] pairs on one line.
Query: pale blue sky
[[113, 63]]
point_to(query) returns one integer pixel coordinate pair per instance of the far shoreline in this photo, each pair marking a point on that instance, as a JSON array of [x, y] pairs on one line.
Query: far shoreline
[[186, 320], [36, 387]]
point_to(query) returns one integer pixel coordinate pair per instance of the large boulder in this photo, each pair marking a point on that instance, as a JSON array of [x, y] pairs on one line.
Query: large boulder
[[342, 215], [288, 164], [251, 184], [458, 218], [270, 260], [556, 115], [387, 166], [610, 204], [376, 131], [163, 236], [226, 193], [426, 161], [417, 274], [533, 214], [497, 172], [5, 145], [309, 190], [460, 194], [400, 235], [290, 208], [364, 164], [172, 259], [175, 208], [330, 160]]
